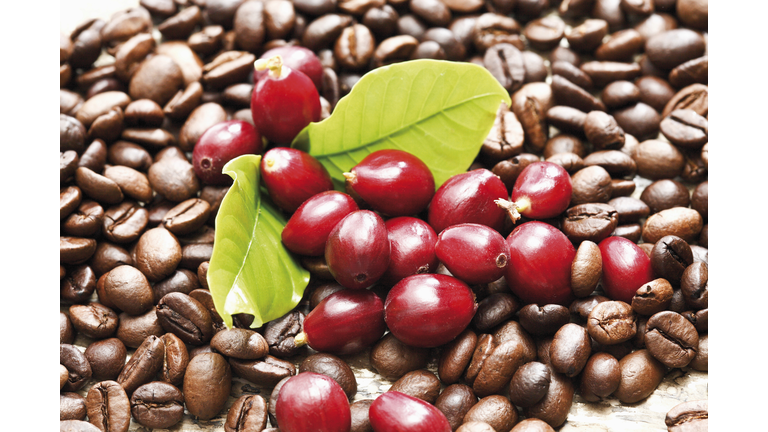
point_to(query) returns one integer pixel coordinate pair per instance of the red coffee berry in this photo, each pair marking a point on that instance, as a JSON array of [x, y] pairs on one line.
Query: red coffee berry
[[221, 143], [539, 269], [392, 182], [311, 402], [307, 231], [284, 101], [411, 249], [429, 310], [292, 176], [473, 253], [394, 411], [297, 58], [541, 191], [357, 250], [625, 268], [468, 198]]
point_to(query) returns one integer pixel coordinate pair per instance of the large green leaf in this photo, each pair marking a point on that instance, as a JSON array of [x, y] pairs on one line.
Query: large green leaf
[[250, 269], [437, 110]]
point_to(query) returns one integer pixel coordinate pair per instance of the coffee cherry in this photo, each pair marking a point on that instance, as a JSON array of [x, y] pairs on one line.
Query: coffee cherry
[[345, 322], [357, 250], [221, 143], [310, 225], [468, 198], [392, 182], [411, 249], [543, 190], [397, 412], [625, 268], [473, 253], [283, 102], [292, 176], [311, 402], [539, 269], [429, 310], [297, 58]]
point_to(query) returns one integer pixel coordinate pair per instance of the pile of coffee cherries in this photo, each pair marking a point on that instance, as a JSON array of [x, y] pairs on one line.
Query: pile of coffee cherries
[[538, 274]]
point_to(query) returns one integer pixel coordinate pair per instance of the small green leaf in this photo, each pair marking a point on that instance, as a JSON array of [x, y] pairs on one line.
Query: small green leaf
[[250, 269], [439, 111]]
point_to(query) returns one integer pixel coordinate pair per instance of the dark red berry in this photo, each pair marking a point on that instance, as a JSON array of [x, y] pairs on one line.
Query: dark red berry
[[310, 225], [539, 269], [625, 268], [221, 143], [543, 190], [394, 411], [357, 250], [311, 402], [429, 310], [392, 182], [297, 58], [473, 253], [292, 176], [468, 198], [345, 322], [411, 249], [284, 101]]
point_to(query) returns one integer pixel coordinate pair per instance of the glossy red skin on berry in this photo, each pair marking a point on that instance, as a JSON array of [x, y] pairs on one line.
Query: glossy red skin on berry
[[625, 268], [345, 322], [539, 269], [297, 58], [281, 107], [468, 198], [311, 402], [310, 225], [429, 310], [394, 411], [411, 249], [393, 182], [548, 187], [292, 176], [221, 143], [473, 253], [357, 250]]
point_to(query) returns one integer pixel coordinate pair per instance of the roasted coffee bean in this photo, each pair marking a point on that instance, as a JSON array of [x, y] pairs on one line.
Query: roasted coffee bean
[[593, 222], [587, 36], [77, 365], [434, 12], [606, 72], [492, 29], [240, 343], [701, 361], [665, 194], [323, 32], [508, 170], [68, 163], [354, 47], [553, 408], [428, 50], [184, 101], [203, 117], [94, 157], [654, 91], [631, 232], [622, 187], [143, 365], [564, 143], [207, 41], [392, 359], [192, 255], [543, 320], [506, 137], [658, 160], [158, 253], [671, 339], [685, 128], [586, 268], [67, 331], [382, 21], [78, 285], [695, 285], [185, 317], [394, 49], [456, 356], [175, 359], [682, 222], [494, 310], [207, 384], [71, 406], [249, 412], [653, 297], [475, 426], [93, 320], [454, 402], [545, 33], [600, 377], [124, 222], [694, 97], [583, 306], [620, 93], [69, 102], [617, 163], [181, 25], [691, 72], [567, 119], [323, 291], [106, 357], [561, 53], [505, 62], [228, 68], [266, 371], [86, 43], [133, 330], [129, 155], [530, 105], [450, 44], [700, 199], [280, 334], [97, 186], [573, 74], [182, 280], [134, 184], [108, 407], [612, 322], [494, 410], [630, 209], [570, 349], [670, 256], [157, 405], [238, 95], [187, 216], [335, 368], [621, 46], [421, 384], [591, 185], [569, 94], [648, 69], [529, 384], [669, 49], [129, 290], [75, 250], [688, 416]]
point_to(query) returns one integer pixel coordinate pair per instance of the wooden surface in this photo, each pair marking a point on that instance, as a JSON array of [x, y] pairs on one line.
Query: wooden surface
[[607, 415]]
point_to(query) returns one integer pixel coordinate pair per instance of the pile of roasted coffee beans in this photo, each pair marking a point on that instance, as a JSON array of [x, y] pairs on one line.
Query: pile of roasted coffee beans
[[613, 91]]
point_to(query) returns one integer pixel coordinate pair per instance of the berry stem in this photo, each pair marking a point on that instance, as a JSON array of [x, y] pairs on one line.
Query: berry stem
[[514, 209], [274, 64], [350, 177], [300, 339]]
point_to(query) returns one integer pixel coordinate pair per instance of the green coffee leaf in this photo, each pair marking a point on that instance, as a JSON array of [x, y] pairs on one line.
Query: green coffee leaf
[[439, 111], [250, 269]]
